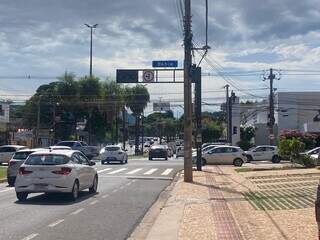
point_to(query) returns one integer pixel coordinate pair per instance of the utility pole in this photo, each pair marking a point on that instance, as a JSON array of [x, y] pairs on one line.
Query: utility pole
[[124, 130], [227, 112], [271, 77], [91, 30], [187, 93], [38, 123]]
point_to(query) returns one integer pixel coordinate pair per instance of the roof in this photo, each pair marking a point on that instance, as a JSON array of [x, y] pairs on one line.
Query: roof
[[56, 152], [32, 149], [15, 146]]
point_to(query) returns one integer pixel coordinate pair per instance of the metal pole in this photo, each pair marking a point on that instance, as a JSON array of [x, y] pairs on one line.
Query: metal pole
[[227, 112], [187, 93], [271, 107], [231, 101], [123, 128], [38, 123], [197, 79], [54, 123], [91, 52]]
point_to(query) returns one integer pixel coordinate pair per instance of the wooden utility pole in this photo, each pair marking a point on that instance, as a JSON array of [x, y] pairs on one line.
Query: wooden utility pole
[[187, 93], [227, 113]]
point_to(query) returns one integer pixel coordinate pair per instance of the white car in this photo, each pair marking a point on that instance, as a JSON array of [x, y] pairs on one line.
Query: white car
[[179, 151], [7, 151], [313, 151], [66, 171], [113, 153], [223, 155], [262, 153]]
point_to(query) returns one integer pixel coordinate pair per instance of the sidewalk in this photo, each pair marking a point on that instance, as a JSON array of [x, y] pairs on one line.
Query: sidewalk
[[222, 204]]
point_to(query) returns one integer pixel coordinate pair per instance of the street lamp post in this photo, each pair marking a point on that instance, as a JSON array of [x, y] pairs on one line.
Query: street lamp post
[[91, 30]]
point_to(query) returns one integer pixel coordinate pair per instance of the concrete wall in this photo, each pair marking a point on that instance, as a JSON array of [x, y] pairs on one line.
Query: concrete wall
[[236, 122]]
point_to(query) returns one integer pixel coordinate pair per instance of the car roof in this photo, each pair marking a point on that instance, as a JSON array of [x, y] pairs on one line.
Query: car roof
[[15, 146], [65, 152], [33, 149]]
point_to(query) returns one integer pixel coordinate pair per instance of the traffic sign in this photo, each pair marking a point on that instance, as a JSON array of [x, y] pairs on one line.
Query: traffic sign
[[127, 76], [148, 76], [169, 63]]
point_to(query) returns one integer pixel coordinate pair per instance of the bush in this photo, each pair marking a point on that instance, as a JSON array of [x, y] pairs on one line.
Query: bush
[[306, 161], [244, 145], [291, 148]]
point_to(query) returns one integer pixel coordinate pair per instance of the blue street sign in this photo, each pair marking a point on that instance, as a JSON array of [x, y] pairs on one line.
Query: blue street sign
[[162, 64]]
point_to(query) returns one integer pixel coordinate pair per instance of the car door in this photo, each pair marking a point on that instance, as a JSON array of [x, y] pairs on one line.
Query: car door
[[88, 170], [258, 153], [81, 173], [213, 156], [269, 153]]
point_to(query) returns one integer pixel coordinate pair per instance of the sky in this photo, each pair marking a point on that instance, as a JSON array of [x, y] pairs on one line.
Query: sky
[[44, 38]]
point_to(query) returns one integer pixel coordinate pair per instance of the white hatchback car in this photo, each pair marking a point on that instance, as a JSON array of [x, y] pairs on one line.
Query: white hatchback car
[[113, 153], [66, 171], [262, 153], [7, 151]]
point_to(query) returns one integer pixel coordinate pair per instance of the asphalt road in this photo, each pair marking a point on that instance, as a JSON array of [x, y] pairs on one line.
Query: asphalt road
[[124, 195]]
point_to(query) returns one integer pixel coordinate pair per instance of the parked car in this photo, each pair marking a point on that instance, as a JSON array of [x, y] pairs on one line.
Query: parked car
[[89, 151], [66, 171], [7, 151], [180, 151], [313, 151], [264, 152], [158, 151], [16, 161], [223, 155], [113, 153]]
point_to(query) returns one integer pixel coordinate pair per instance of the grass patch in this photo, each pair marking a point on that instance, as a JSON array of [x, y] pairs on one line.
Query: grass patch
[[3, 173], [245, 169]]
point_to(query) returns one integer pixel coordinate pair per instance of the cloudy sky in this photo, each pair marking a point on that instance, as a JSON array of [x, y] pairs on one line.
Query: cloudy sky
[[45, 38]]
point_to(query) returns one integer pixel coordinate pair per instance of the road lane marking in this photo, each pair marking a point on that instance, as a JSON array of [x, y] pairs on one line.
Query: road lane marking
[[31, 236], [167, 171], [134, 171], [93, 202], [117, 171], [6, 190], [152, 170], [56, 223], [105, 196], [129, 183], [77, 211], [104, 170]]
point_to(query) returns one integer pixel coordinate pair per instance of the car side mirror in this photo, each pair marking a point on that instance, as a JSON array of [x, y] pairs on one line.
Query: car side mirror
[[92, 163]]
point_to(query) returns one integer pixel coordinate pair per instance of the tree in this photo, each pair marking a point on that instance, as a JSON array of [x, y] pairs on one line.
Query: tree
[[247, 133], [211, 132]]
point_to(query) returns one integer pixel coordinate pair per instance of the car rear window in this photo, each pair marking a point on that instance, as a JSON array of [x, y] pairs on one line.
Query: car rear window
[[68, 144], [112, 149], [21, 155], [49, 159]]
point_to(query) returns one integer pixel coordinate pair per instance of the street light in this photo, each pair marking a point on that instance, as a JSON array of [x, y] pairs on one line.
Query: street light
[[91, 29]]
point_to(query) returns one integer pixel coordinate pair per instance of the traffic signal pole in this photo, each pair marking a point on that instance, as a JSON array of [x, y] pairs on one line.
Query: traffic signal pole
[[187, 93]]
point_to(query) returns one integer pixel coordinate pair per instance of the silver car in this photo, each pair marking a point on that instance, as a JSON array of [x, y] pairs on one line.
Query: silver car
[[16, 161], [66, 171], [7, 151], [224, 155], [113, 153]]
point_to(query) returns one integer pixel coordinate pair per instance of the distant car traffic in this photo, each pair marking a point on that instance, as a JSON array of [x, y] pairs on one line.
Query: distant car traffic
[[223, 155], [16, 161], [66, 171], [7, 151], [89, 151], [179, 151], [113, 153], [158, 151], [264, 152]]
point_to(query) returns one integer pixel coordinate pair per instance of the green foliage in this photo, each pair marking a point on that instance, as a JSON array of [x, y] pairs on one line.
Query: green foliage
[[245, 145], [291, 148], [247, 133], [138, 98], [211, 132], [306, 161]]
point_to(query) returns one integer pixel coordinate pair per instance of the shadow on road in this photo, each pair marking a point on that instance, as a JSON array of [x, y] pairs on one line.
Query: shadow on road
[[56, 199]]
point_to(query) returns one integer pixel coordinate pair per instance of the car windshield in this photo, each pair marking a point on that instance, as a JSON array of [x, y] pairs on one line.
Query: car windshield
[[112, 149], [49, 159], [68, 144], [22, 155]]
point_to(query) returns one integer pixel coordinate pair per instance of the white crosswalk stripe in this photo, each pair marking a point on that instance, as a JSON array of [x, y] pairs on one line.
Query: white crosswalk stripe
[[134, 171], [117, 171], [152, 170], [167, 171], [104, 170]]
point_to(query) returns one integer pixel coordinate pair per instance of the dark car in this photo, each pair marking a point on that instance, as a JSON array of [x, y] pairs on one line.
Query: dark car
[[158, 151]]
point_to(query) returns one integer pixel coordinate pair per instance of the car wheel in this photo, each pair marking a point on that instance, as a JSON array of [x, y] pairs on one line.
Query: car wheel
[[238, 162], [275, 159], [249, 158], [75, 191], [22, 196], [94, 187], [11, 181]]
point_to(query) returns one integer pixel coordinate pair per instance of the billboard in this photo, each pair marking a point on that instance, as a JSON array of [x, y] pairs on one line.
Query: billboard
[[161, 106]]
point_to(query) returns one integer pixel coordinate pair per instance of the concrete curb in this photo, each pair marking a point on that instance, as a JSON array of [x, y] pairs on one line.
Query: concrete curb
[[144, 227]]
